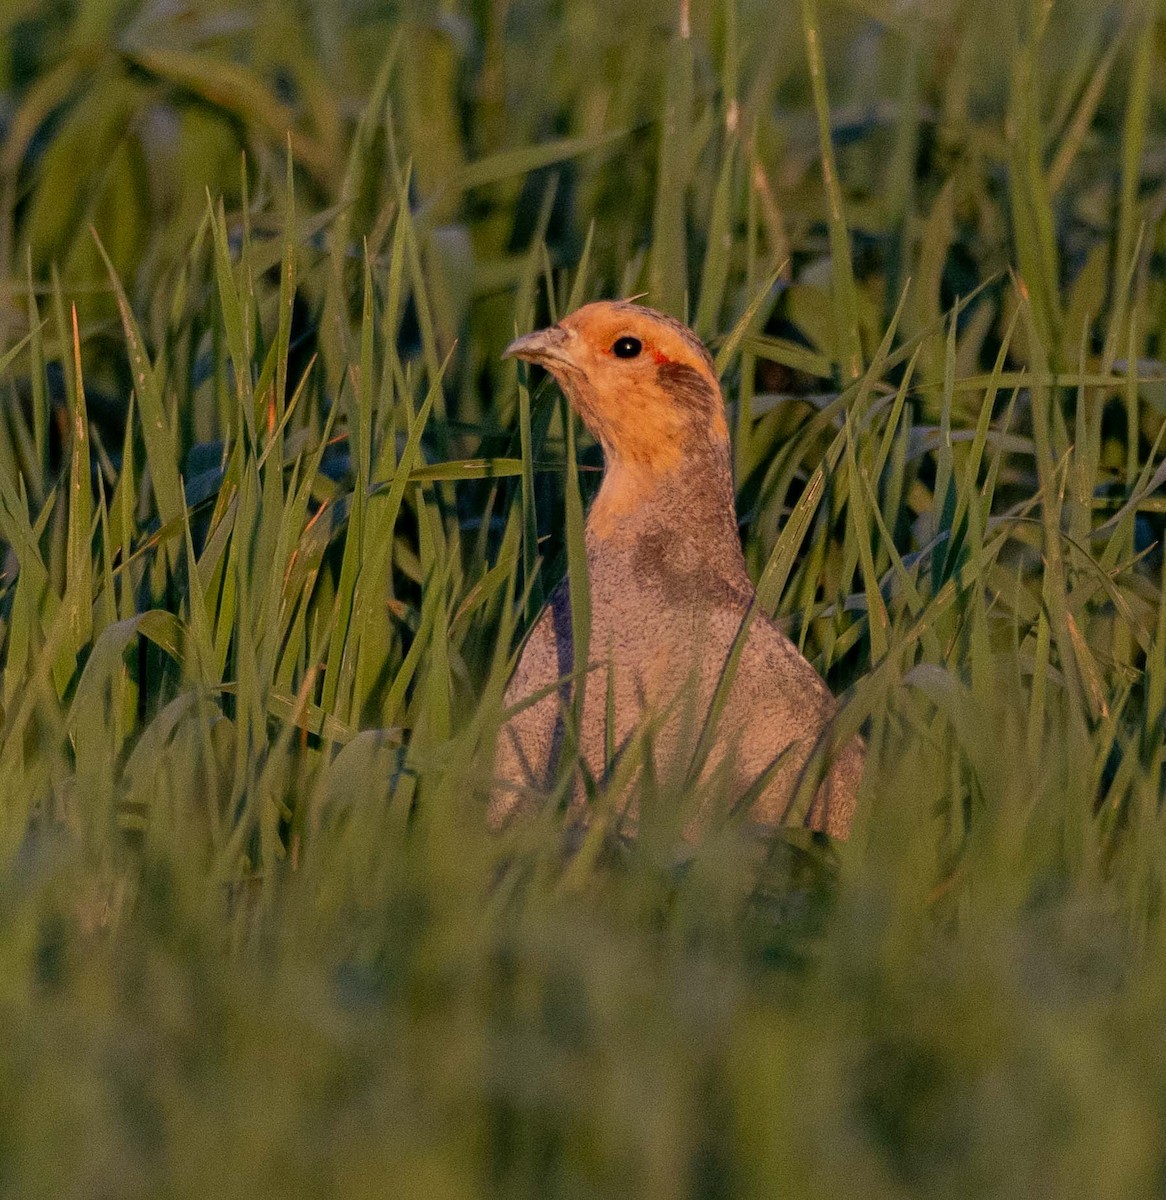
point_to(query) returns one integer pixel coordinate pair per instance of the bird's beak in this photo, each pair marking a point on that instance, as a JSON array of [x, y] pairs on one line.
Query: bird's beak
[[547, 347]]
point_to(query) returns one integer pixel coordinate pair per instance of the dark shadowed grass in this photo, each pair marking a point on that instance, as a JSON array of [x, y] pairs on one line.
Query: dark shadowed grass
[[274, 516]]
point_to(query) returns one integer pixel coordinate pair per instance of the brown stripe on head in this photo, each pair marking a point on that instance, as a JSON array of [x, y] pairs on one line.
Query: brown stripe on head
[[692, 392], [688, 388]]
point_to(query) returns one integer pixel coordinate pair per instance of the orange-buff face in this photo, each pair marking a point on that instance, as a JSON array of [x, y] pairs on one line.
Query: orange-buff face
[[644, 384]]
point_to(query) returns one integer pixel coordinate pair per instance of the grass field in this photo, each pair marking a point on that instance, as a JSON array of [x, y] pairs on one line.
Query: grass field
[[274, 514]]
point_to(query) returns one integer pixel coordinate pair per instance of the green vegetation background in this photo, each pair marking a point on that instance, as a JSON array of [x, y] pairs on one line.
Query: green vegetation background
[[273, 514]]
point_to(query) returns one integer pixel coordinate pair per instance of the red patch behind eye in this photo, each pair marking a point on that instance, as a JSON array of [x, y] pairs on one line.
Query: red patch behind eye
[[660, 358]]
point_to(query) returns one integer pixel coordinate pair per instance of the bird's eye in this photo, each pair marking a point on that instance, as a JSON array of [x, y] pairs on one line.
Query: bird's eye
[[627, 347]]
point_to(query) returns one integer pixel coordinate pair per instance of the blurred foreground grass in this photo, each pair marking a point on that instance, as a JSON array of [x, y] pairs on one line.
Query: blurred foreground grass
[[273, 513]]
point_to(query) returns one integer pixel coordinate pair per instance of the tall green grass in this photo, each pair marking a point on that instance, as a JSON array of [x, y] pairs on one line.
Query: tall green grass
[[274, 516]]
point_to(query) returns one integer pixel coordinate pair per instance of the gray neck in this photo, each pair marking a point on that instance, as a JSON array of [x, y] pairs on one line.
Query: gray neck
[[681, 540]]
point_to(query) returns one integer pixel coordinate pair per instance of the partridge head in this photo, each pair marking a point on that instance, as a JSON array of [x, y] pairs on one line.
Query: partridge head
[[646, 388], [670, 595]]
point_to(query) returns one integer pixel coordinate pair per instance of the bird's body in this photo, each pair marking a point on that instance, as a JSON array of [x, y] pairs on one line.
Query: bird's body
[[669, 594]]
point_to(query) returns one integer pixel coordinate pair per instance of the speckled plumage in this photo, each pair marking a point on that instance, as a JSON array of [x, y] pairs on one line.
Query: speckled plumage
[[669, 592]]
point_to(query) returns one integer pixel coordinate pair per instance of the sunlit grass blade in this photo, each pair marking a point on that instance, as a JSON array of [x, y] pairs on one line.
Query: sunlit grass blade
[[79, 571], [668, 265], [845, 294]]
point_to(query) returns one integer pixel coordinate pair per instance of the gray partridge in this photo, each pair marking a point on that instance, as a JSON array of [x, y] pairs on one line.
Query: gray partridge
[[668, 594]]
